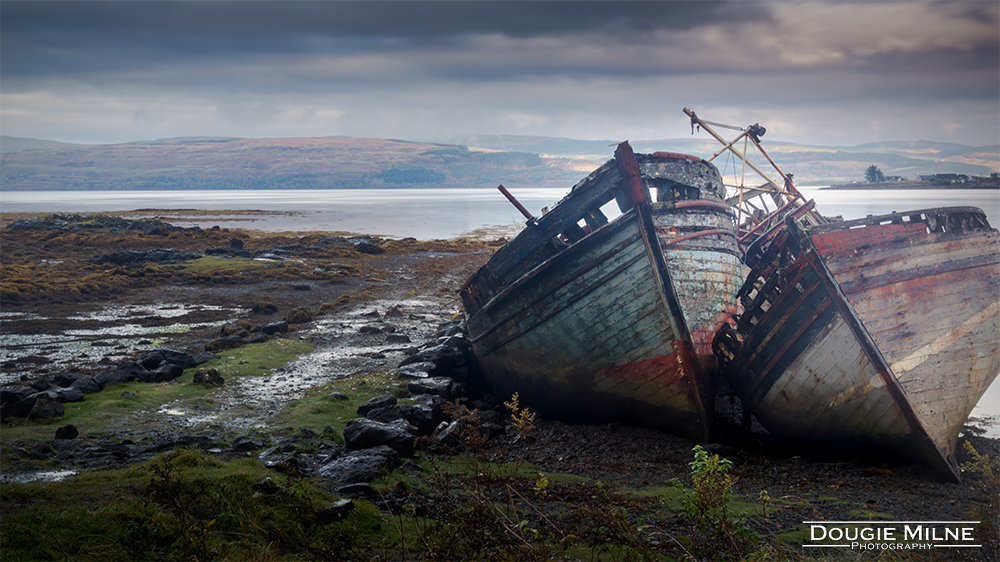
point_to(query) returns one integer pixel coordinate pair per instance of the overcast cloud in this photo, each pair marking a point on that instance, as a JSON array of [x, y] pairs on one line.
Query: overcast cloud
[[831, 73]]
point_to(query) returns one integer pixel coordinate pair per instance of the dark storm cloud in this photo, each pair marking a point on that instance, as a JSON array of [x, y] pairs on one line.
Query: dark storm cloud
[[79, 38], [430, 70]]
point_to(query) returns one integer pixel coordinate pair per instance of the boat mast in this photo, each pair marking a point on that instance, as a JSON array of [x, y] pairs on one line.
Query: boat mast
[[786, 198]]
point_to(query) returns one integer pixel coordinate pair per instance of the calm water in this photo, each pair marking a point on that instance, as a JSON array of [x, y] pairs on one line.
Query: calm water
[[429, 213], [445, 213]]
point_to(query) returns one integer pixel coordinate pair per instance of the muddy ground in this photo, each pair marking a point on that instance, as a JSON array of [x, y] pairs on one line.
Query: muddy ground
[[51, 289]]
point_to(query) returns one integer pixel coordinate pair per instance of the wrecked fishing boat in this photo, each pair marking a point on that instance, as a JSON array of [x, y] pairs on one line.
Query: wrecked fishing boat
[[879, 333], [598, 320]]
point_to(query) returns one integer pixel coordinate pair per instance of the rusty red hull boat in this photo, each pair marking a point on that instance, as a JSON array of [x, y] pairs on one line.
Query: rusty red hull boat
[[602, 320], [880, 332]]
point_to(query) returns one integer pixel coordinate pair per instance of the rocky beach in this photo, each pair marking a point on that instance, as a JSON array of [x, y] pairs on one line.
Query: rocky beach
[[339, 360]]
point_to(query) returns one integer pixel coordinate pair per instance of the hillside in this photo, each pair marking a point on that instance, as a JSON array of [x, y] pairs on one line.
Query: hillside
[[482, 161]]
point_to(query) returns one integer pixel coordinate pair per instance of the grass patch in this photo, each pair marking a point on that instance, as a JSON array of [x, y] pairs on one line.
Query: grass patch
[[180, 505], [116, 407], [212, 265], [256, 359], [318, 408]]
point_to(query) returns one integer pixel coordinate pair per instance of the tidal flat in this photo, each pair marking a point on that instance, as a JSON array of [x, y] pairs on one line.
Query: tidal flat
[[255, 467]]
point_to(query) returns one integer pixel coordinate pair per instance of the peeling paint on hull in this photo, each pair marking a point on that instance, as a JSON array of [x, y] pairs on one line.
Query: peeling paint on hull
[[881, 332], [597, 329]]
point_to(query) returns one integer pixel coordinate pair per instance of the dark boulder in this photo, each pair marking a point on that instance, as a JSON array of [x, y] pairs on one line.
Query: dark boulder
[[362, 433], [419, 416], [331, 513], [438, 386], [46, 407], [87, 385], [67, 432], [275, 328], [419, 370], [66, 379], [228, 342], [360, 466], [126, 372], [376, 402], [210, 377], [203, 357]]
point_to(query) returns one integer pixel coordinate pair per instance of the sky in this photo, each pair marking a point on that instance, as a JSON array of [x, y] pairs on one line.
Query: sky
[[830, 73]]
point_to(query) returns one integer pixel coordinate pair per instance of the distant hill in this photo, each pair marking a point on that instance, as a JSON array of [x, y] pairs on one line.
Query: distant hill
[[14, 144], [480, 161]]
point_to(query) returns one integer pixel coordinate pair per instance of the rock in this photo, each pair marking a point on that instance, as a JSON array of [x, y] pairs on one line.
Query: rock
[[451, 329], [71, 394], [397, 338], [158, 357], [258, 338], [67, 432], [366, 246], [264, 307], [16, 401], [360, 466], [228, 342], [447, 434], [362, 433], [246, 444], [42, 384], [275, 328], [45, 408], [368, 330], [232, 330], [266, 486], [339, 396], [65, 379], [203, 357], [443, 357], [126, 372], [299, 316], [166, 372], [376, 402], [210, 377], [393, 313], [335, 512], [420, 416], [438, 386], [86, 385], [419, 370]]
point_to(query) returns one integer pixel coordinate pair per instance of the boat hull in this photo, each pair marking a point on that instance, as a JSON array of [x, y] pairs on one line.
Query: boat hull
[[874, 334], [590, 335]]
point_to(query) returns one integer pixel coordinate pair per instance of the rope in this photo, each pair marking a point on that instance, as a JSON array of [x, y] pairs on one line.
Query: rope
[[722, 125]]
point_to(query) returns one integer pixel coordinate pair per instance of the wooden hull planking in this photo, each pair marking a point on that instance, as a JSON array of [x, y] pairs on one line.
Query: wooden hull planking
[[883, 335], [590, 336], [597, 329], [699, 246]]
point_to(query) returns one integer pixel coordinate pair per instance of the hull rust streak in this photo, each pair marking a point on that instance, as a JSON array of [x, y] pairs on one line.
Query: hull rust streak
[[878, 333]]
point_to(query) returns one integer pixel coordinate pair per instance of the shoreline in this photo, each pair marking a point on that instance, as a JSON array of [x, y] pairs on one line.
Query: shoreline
[[909, 185]]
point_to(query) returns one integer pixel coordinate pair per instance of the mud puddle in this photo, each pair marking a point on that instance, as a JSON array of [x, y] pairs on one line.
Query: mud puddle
[[109, 335], [343, 348]]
